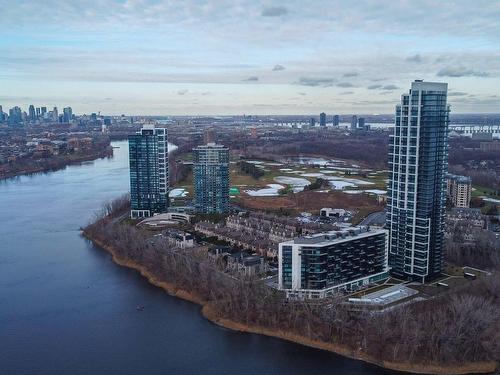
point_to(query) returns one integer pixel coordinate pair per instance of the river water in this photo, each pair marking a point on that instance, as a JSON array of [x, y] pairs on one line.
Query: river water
[[66, 308]]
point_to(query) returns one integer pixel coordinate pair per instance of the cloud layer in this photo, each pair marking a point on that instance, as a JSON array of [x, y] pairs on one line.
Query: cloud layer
[[155, 56], [460, 71], [275, 11]]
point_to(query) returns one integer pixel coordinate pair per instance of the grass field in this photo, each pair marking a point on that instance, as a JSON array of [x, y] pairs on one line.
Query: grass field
[[309, 201], [479, 191]]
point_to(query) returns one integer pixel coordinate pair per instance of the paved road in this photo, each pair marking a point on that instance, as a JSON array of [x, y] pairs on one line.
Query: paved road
[[375, 218]]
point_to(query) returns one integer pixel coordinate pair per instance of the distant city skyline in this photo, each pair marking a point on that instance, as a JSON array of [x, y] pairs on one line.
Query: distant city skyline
[[145, 57]]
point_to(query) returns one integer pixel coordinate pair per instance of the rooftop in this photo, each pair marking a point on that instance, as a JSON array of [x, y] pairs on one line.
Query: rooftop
[[386, 296], [420, 85], [465, 212], [458, 178], [331, 237], [246, 259], [209, 146]]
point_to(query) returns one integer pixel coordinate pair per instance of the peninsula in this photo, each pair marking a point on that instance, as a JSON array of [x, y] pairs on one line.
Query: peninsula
[[391, 340]]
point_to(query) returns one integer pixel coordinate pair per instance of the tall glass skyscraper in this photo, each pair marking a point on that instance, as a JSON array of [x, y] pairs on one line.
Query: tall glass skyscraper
[[354, 122], [31, 111], [211, 178], [418, 162], [322, 119], [148, 155]]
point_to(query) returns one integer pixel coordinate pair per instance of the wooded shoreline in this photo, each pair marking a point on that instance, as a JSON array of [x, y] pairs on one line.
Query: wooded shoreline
[[59, 164], [212, 314]]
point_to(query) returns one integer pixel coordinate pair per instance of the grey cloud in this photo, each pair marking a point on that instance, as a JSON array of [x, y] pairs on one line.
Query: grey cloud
[[13, 98], [345, 84], [459, 71], [481, 21], [182, 92], [350, 74], [390, 87], [374, 87], [346, 93], [118, 76], [371, 102], [474, 103], [315, 81], [33, 59], [457, 93], [274, 11], [278, 67], [302, 93], [415, 58], [251, 79]]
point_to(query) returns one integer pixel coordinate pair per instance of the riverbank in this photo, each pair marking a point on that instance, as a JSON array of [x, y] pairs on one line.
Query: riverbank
[[211, 314], [51, 165]]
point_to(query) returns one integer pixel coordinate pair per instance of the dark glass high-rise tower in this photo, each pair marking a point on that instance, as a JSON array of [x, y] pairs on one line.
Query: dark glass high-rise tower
[[354, 122], [336, 120], [322, 119], [418, 162], [211, 179], [31, 113], [148, 155]]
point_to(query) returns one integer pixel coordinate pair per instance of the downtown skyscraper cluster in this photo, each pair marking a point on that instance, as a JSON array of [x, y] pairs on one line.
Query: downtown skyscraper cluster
[[17, 116]]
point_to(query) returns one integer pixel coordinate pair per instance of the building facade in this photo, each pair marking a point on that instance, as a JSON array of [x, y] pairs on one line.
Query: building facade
[[209, 136], [492, 146], [180, 238], [319, 265], [459, 190], [148, 154], [32, 113], [211, 178], [418, 162], [336, 120], [354, 122], [67, 114], [332, 212], [322, 119]]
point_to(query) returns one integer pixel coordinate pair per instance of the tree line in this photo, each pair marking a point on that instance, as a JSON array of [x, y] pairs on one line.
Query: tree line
[[251, 169]]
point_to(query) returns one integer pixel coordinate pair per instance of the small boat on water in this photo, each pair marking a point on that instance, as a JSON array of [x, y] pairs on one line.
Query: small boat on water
[[139, 308]]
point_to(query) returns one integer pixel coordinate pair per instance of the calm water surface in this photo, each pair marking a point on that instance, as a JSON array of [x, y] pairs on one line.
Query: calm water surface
[[65, 308]]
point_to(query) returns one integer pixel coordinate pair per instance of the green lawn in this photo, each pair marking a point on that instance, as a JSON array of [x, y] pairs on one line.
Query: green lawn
[[479, 191]]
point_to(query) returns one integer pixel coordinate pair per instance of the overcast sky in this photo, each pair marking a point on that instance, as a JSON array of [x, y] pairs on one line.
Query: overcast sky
[[246, 56]]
